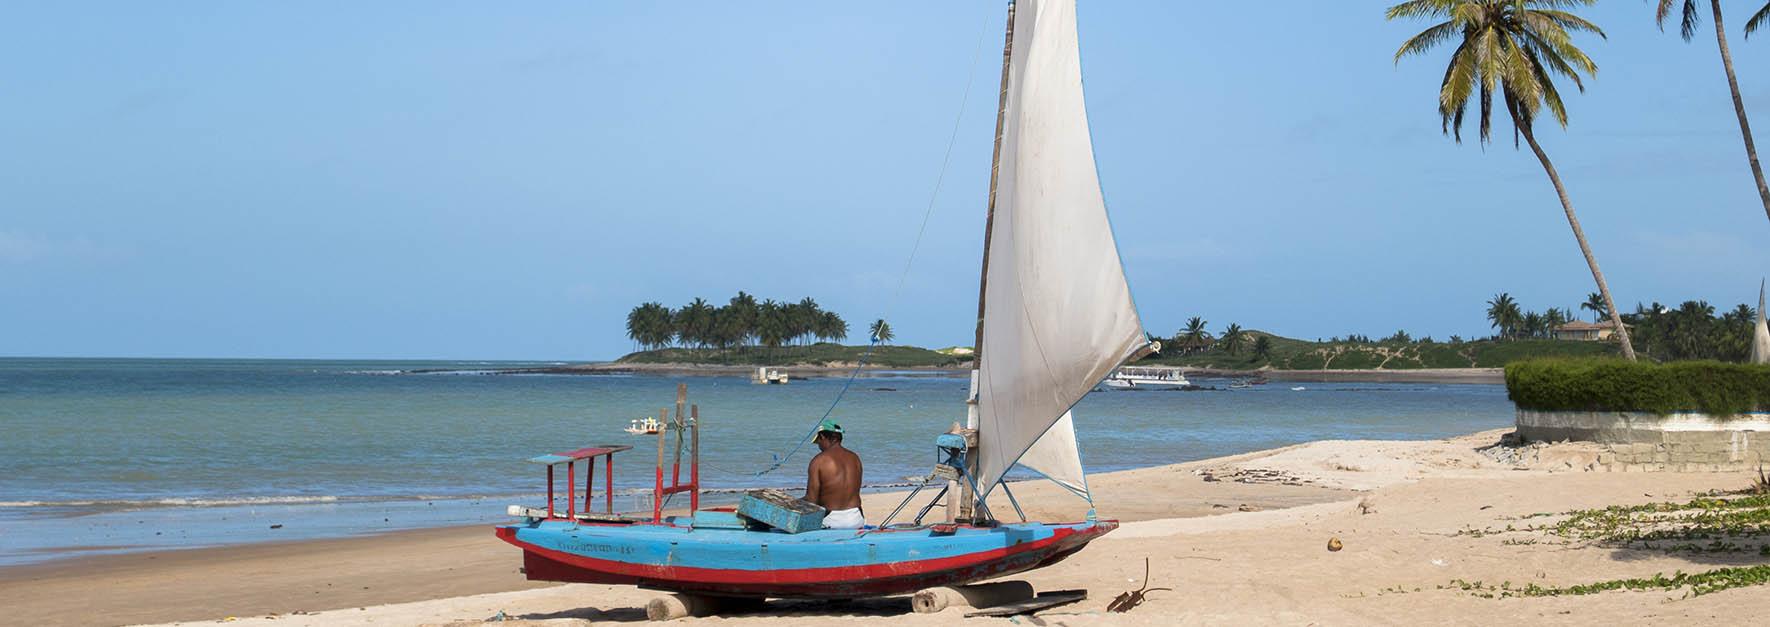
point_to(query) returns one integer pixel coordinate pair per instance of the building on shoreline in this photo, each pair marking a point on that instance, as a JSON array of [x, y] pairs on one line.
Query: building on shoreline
[[1582, 331]]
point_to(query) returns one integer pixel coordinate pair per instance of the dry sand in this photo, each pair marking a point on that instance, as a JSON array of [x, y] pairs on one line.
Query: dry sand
[[1241, 539]]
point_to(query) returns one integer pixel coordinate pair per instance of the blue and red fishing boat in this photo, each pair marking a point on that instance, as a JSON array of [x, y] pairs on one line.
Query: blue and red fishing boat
[[677, 556], [1055, 317]]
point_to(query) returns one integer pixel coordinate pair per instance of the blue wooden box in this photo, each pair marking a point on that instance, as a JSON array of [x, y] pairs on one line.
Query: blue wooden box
[[782, 511], [705, 519]]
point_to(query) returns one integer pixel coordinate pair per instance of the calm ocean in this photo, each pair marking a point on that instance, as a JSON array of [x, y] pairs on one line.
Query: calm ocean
[[112, 455]]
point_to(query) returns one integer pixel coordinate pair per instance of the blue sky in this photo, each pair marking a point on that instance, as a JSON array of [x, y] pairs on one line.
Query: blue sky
[[467, 180]]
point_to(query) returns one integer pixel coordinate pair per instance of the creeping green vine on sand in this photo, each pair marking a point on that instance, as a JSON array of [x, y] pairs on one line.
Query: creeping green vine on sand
[[1697, 584], [1715, 521]]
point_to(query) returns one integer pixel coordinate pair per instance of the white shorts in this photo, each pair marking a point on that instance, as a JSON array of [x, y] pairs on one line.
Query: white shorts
[[844, 519]]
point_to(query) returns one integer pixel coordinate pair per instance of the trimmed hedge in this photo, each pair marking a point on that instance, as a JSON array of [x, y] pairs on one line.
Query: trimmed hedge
[[1711, 387]]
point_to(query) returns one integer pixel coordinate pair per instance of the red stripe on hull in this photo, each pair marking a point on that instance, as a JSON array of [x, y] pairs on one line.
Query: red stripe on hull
[[841, 582]]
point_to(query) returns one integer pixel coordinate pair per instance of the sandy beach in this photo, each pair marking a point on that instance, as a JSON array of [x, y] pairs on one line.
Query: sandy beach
[[1241, 539]]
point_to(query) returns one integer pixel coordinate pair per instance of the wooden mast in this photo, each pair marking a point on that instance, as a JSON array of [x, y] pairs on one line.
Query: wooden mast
[[989, 222]]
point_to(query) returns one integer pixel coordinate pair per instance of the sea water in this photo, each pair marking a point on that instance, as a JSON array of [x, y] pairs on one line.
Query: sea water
[[115, 455]]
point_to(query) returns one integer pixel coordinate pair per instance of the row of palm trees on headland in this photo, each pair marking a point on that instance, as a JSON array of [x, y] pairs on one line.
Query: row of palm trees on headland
[[1513, 322], [1691, 331], [1195, 339], [742, 321], [1515, 50]]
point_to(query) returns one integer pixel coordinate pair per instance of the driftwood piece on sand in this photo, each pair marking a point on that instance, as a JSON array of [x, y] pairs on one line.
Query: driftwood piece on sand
[[931, 600]]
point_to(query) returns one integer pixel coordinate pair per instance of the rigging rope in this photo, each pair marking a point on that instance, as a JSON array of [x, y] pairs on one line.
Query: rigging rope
[[933, 197]]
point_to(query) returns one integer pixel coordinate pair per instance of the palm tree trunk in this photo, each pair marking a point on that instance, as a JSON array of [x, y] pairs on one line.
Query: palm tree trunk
[[1745, 126], [1628, 348]]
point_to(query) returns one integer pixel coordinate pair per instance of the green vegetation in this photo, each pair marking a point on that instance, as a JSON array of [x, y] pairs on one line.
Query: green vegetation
[[1513, 49], [1398, 352], [1710, 387], [1674, 526], [1698, 584], [881, 331], [741, 322], [1735, 524], [815, 354], [1514, 323], [1693, 331]]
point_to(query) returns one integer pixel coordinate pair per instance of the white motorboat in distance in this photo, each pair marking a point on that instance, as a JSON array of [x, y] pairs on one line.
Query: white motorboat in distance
[[1146, 379]]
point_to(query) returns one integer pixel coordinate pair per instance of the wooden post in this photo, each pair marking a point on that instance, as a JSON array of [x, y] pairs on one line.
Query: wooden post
[[571, 489], [549, 490], [589, 481], [694, 469], [608, 489], [657, 496], [676, 463]]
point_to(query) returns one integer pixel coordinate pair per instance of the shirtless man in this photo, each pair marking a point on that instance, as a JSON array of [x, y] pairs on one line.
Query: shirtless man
[[833, 480]]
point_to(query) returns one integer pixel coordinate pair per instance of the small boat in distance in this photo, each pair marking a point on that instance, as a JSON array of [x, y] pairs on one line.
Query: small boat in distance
[[1146, 379], [645, 426], [772, 376]]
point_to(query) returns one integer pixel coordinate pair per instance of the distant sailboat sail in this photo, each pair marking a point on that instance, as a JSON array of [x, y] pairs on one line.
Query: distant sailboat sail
[[1761, 334], [1058, 312]]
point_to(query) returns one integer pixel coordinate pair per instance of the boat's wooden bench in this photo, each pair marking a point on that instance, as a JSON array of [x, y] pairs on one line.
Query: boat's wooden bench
[[570, 458]]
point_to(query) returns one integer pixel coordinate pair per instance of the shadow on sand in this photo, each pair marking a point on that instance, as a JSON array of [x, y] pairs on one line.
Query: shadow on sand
[[776, 608]]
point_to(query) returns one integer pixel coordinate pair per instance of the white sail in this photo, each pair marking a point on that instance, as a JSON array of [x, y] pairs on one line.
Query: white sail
[[1056, 457], [1761, 334], [1058, 315]]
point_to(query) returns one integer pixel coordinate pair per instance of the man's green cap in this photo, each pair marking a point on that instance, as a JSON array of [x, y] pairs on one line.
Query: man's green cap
[[829, 425]]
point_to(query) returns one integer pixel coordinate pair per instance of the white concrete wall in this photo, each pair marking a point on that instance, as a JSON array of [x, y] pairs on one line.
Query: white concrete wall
[[1680, 441]]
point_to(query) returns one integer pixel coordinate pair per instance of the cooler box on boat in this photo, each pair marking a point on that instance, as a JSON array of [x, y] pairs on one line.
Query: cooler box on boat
[[781, 511]]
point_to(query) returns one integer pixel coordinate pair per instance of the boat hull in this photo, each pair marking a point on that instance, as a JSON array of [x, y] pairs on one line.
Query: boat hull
[[823, 564], [1122, 384]]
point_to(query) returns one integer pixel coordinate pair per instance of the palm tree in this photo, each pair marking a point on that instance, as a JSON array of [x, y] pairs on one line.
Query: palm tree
[[1595, 304], [831, 327], [1263, 347], [1233, 338], [1687, 28], [1533, 325], [881, 331], [694, 323], [636, 325], [1193, 337], [743, 311], [805, 318], [728, 328], [1502, 311], [1758, 19], [1741, 315], [1514, 48], [771, 324], [651, 325], [1552, 320]]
